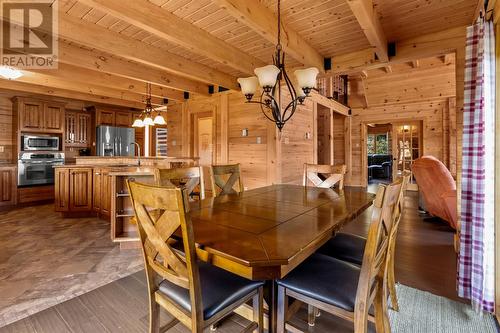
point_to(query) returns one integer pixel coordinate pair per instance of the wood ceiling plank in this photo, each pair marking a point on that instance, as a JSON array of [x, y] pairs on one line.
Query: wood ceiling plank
[[168, 26], [263, 21]]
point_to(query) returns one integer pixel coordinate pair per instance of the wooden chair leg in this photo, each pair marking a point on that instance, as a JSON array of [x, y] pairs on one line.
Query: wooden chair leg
[[380, 304], [154, 315], [258, 310], [282, 301], [391, 281], [311, 315]]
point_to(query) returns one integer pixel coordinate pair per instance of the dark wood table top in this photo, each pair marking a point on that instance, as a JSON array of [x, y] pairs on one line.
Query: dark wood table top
[[266, 232]]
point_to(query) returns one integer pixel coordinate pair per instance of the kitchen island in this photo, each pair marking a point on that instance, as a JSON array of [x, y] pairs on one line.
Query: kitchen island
[[96, 186]]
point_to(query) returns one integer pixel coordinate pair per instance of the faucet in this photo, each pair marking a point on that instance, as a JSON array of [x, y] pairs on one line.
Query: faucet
[[138, 152]]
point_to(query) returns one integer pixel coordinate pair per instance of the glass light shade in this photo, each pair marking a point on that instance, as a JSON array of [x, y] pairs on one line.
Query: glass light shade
[[148, 121], [10, 73], [306, 78], [138, 123], [159, 120], [267, 75], [248, 85]]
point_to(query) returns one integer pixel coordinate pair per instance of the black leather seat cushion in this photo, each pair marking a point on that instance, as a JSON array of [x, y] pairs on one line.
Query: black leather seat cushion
[[219, 289], [347, 247], [326, 279]]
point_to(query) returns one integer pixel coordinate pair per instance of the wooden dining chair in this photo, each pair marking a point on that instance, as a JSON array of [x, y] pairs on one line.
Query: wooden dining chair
[[190, 178], [350, 247], [344, 289], [226, 179], [333, 174], [194, 293]]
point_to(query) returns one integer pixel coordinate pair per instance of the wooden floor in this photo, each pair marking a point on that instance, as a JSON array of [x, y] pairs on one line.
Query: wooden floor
[[425, 260]]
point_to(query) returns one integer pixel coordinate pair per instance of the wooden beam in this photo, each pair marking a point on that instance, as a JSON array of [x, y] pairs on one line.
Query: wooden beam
[[82, 75], [17, 86], [83, 87], [161, 23], [91, 35], [263, 21], [370, 24], [330, 103], [101, 62], [430, 45]]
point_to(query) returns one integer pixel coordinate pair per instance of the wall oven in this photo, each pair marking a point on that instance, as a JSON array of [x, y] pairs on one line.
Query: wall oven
[[38, 168], [39, 142]]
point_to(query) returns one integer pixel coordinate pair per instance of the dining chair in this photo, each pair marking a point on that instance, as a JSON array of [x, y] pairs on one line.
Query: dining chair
[[350, 247], [194, 293], [333, 174], [226, 179], [192, 176], [341, 288]]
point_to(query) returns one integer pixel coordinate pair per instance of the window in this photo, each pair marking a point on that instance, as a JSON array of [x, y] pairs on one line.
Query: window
[[378, 144], [161, 141]]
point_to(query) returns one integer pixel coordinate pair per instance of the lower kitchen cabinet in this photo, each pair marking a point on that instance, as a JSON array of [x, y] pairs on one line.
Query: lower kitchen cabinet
[[8, 185], [73, 189], [102, 191]]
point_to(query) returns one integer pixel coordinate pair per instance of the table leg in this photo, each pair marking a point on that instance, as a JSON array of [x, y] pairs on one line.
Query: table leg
[[271, 297]]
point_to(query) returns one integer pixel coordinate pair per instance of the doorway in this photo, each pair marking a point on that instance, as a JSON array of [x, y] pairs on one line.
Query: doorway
[[204, 137], [389, 149]]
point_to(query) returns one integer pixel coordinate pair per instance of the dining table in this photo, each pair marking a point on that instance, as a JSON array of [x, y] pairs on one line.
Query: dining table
[[264, 233]]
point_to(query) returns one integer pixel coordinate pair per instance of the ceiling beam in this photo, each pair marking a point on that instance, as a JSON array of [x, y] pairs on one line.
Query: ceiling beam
[[17, 87], [103, 63], [161, 23], [79, 74], [370, 24], [430, 45], [263, 21]]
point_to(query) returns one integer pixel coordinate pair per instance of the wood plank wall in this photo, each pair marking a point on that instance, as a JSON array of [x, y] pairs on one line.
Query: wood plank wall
[[6, 129]]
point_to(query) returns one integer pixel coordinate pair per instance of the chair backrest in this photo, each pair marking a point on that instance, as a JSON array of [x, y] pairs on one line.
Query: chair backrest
[[192, 176], [160, 211], [372, 276], [334, 174], [225, 179]]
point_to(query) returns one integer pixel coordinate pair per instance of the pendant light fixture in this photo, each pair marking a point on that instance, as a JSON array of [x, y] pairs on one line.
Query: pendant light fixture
[[146, 116], [270, 78]]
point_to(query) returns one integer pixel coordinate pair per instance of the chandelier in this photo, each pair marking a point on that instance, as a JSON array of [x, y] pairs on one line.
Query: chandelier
[[271, 78], [146, 116]]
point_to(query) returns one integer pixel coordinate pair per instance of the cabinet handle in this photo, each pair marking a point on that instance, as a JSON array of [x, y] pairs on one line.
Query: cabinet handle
[[97, 173]]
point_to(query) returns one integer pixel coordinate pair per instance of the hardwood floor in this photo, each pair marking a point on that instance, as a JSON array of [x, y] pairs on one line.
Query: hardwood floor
[[425, 260]]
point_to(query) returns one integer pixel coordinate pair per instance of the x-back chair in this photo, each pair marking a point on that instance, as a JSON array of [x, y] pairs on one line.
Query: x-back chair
[[226, 179], [194, 293], [333, 174], [192, 176]]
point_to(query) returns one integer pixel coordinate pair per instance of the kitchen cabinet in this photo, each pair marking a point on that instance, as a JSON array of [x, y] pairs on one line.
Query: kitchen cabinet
[[105, 117], [109, 117], [102, 191], [123, 119], [77, 129], [39, 116], [73, 189], [8, 185]]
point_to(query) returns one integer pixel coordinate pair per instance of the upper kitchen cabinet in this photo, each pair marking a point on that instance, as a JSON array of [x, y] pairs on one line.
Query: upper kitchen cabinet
[[110, 117], [77, 129], [39, 116]]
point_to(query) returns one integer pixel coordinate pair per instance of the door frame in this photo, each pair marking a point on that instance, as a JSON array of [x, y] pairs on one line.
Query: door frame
[[364, 139], [194, 138]]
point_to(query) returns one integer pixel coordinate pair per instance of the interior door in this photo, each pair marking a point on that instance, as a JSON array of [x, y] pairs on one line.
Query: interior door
[[408, 137], [205, 147]]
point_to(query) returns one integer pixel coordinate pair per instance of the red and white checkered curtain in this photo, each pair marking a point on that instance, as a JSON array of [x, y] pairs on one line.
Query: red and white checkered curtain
[[476, 257]]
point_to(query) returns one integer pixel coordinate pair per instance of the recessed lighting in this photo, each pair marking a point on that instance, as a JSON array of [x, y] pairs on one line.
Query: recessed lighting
[[10, 73]]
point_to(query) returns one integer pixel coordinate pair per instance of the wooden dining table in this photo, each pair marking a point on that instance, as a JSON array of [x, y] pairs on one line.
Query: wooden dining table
[[264, 233]]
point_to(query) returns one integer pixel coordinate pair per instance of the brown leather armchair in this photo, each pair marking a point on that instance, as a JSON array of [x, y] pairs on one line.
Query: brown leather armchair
[[438, 188]]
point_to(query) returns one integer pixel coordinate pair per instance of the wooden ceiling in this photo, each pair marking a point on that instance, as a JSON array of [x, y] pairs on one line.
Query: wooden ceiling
[[186, 45]]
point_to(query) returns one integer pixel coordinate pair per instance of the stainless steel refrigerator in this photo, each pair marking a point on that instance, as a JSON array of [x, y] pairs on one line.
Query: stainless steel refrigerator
[[115, 141]]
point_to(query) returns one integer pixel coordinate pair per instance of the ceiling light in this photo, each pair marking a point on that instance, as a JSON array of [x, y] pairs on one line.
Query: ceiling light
[[10, 73]]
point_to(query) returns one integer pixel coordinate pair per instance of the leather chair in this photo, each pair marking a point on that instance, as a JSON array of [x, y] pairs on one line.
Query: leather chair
[[344, 289], [438, 188], [196, 294], [350, 247]]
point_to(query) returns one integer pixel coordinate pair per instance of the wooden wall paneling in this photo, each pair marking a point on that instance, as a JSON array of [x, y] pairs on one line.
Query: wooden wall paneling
[[274, 158], [318, 133], [7, 132], [348, 147], [338, 139], [223, 129], [175, 130], [187, 143]]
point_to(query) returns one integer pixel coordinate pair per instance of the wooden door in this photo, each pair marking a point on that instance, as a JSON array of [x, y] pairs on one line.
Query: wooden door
[[61, 195], [204, 138], [105, 117], [123, 119], [31, 116], [408, 137], [97, 186], [70, 128], [53, 117], [8, 186], [106, 195], [83, 129], [80, 184]]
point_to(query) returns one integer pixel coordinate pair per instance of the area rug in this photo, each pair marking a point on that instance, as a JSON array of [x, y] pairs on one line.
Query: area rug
[[423, 312]]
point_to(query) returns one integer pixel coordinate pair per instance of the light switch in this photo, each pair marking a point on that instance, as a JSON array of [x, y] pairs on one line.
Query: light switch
[[259, 140], [244, 132]]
